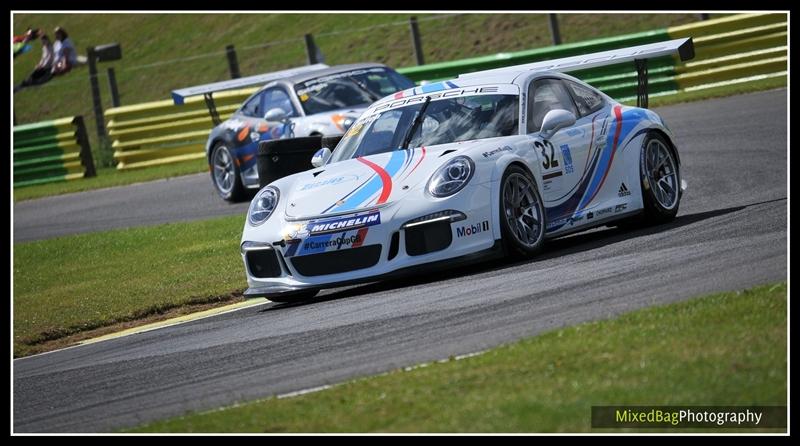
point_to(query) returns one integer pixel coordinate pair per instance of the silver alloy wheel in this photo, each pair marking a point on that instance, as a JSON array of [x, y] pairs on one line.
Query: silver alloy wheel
[[662, 174], [224, 173], [522, 209]]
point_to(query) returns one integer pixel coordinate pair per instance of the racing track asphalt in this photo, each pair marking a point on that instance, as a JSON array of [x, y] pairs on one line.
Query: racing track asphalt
[[190, 197], [731, 233]]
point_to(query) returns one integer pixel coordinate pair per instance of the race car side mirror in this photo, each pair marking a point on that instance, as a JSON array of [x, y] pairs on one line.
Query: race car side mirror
[[276, 114], [554, 121], [321, 157]]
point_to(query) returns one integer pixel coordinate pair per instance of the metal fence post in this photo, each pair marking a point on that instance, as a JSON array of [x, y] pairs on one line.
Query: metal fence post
[[417, 41], [233, 62], [95, 86], [311, 50], [554, 29], [86, 150], [112, 85]]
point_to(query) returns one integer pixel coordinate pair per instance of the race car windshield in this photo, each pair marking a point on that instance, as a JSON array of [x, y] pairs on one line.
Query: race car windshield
[[357, 88], [445, 121]]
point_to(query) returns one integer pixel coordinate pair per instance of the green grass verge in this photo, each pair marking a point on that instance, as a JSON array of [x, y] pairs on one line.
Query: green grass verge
[[77, 283], [150, 41], [110, 177], [728, 348]]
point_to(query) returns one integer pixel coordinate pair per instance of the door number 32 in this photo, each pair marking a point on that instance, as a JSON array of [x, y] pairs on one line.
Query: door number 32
[[550, 161]]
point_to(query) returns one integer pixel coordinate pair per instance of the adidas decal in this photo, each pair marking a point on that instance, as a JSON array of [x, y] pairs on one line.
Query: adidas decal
[[623, 190]]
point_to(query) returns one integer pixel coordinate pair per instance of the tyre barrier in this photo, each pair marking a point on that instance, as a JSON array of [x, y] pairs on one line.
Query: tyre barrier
[[51, 151]]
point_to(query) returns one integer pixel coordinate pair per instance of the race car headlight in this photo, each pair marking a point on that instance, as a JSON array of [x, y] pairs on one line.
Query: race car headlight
[[263, 205], [452, 177]]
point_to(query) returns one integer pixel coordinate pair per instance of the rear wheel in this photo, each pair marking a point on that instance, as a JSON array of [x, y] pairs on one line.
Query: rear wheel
[[660, 179], [522, 219], [225, 174]]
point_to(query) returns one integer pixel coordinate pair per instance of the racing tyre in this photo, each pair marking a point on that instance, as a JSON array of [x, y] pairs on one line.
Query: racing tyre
[[660, 178], [294, 297], [522, 218], [225, 174]]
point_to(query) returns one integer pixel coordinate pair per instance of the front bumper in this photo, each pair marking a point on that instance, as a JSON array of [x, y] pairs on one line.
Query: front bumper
[[493, 252], [294, 259]]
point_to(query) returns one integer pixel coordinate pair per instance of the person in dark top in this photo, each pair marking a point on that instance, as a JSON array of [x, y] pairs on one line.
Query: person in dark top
[[43, 70]]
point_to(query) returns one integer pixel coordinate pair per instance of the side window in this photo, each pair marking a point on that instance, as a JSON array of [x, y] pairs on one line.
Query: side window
[[588, 100], [547, 94], [252, 106], [277, 98]]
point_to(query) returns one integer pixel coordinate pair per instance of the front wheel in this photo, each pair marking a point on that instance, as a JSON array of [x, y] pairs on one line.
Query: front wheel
[[225, 174], [522, 218], [660, 179]]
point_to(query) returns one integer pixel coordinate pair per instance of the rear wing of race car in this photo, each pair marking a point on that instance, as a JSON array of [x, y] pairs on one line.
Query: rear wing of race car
[[207, 90], [636, 54]]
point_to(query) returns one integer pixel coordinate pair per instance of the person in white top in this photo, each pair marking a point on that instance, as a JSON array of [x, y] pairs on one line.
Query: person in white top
[[65, 55]]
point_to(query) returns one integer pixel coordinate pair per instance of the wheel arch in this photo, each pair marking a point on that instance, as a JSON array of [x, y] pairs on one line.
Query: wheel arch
[[668, 137], [211, 143], [499, 170], [654, 211]]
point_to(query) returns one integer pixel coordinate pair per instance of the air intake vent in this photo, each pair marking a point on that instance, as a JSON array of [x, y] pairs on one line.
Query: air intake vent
[[335, 262], [394, 246], [263, 263], [426, 238]]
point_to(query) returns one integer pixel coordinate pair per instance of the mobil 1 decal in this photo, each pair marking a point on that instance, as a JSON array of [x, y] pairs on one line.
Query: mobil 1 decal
[[472, 229]]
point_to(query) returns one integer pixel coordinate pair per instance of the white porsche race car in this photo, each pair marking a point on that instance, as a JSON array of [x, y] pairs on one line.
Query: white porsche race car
[[490, 163]]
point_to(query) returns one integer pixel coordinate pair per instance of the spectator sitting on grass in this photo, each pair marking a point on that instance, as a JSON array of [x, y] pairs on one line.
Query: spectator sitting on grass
[[65, 55], [43, 70]]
